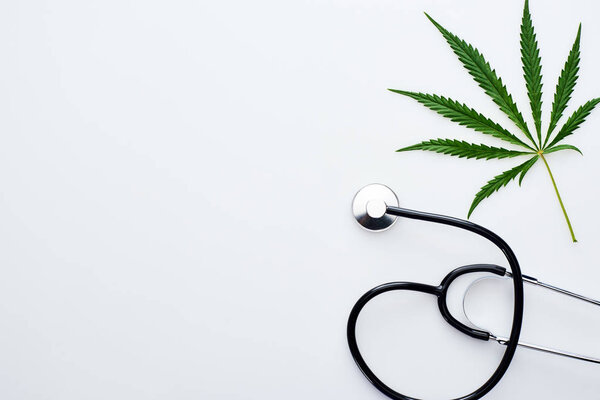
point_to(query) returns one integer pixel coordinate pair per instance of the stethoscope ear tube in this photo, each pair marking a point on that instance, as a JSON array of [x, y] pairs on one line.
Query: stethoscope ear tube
[[445, 285], [515, 270]]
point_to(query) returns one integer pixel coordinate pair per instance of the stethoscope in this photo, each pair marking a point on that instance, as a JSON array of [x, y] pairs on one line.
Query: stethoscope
[[375, 207]]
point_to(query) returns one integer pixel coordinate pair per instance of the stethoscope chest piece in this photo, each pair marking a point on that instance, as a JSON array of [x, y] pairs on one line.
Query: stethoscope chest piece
[[370, 204]]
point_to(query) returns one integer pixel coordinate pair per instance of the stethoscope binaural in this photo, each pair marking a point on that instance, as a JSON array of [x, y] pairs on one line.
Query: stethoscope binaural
[[375, 207]]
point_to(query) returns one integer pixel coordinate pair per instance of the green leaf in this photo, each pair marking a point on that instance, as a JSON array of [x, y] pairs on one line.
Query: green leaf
[[564, 87], [527, 168], [500, 181], [576, 119], [532, 69], [464, 149], [463, 115], [485, 76], [562, 147]]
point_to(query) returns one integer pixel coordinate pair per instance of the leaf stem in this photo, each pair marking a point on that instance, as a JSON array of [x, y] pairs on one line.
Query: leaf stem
[[559, 198]]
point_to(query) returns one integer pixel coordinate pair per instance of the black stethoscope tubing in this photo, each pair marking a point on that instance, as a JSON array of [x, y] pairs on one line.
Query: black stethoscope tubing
[[440, 291]]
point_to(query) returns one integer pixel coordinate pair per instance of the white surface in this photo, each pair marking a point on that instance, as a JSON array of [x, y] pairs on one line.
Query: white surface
[[176, 180]]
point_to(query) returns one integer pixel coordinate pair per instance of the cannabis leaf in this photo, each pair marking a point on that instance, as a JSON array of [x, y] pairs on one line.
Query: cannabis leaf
[[500, 181], [463, 149], [485, 76], [464, 115], [532, 69], [491, 83], [575, 120], [566, 84]]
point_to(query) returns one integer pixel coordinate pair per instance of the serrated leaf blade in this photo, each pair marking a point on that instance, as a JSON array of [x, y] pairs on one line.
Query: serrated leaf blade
[[565, 86], [462, 149], [463, 115], [500, 181], [575, 120], [562, 147], [532, 69], [526, 169], [485, 76]]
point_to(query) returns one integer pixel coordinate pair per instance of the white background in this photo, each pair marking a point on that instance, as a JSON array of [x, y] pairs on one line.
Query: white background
[[175, 189]]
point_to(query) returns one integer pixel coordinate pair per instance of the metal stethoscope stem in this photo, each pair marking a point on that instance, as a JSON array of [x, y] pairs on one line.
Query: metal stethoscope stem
[[533, 281]]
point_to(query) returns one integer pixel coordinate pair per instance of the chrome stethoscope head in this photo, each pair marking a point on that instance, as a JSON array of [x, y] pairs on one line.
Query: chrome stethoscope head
[[370, 205]]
